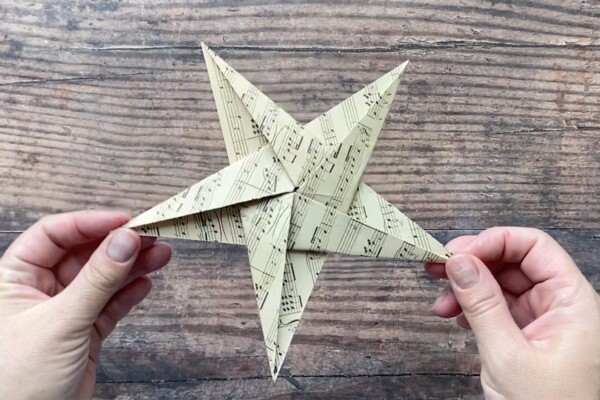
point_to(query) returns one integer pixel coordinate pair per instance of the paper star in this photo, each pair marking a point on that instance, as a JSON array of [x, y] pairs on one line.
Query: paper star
[[292, 194]]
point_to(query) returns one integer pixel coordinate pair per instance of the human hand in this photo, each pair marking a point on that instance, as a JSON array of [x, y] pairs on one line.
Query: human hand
[[534, 315], [64, 285]]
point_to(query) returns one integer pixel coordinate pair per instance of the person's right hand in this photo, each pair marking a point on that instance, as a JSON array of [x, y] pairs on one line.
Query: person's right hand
[[534, 315]]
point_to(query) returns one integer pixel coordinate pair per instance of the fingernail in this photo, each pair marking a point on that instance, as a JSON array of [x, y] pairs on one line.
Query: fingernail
[[463, 271], [122, 246]]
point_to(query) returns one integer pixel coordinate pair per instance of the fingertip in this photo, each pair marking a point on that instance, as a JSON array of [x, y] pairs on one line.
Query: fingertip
[[446, 306], [153, 258], [164, 251], [121, 215], [147, 241], [436, 269]]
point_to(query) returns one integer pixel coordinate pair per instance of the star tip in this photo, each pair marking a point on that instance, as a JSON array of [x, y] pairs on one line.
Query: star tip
[[274, 375], [133, 223], [447, 256], [398, 72]]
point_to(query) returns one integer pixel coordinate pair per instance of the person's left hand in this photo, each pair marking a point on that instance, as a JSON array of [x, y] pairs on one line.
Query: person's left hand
[[64, 285]]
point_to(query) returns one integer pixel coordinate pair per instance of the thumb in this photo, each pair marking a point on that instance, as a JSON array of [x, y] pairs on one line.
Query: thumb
[[102, 275], [483, 303]]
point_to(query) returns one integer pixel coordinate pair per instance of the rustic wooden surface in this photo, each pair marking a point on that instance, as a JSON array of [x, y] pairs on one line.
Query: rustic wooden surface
[[106, 103]]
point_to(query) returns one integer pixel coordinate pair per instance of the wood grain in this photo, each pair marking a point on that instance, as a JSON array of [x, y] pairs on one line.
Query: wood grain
[[476, 137], [37, 30], [106, 103], [372, 387]]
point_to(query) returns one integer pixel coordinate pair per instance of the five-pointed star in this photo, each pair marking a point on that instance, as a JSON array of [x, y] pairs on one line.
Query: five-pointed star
[[292, 193]]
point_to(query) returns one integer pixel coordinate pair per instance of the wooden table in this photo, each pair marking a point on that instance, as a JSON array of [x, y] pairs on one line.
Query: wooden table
[[106, 103]]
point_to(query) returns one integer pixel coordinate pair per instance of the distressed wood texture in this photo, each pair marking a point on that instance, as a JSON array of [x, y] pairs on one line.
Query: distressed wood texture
[[106, 103], [382, 387]]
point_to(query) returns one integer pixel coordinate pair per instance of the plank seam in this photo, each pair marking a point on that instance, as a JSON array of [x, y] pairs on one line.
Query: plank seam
[[287, 377], [75, 79], [450, 44]]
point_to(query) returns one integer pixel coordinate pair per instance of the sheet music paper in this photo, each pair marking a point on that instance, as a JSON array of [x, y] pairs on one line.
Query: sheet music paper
[[292, 194]]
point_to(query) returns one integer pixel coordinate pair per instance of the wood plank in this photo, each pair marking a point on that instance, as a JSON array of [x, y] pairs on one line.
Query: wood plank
[[33, 33], [477, 137], [387, 387], [366, 317], [107, 104]]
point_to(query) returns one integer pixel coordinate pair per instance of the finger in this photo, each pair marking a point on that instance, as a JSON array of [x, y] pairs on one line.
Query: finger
[[461, 320], [120, 305], [437, 270], [460, 243], [456, 245], [47, 241], [147, 241], [446, 306], [541, 257], [521, 310], [483, 304], [101, 277], [554, 294], [71, 264], [513, 280], [150, 261]]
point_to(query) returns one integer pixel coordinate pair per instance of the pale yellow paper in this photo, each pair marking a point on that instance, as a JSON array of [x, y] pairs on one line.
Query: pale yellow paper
[[292, 194]]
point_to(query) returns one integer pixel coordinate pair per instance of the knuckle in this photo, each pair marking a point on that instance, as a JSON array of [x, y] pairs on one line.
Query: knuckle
[[543, 237], [494, 231], [565, 295], [100, 277], [481, 303], [459, 243]]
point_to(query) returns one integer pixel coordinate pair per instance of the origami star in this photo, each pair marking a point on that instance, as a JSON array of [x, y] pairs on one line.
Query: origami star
[[292, 194]]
